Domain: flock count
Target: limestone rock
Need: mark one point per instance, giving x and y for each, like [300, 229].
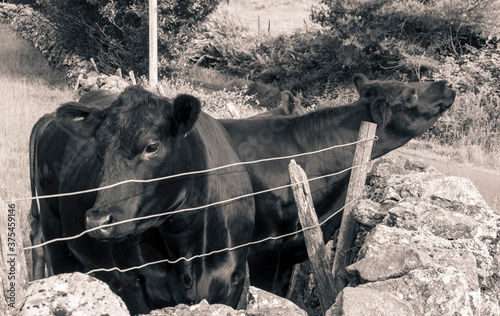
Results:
[368, 213]
[424, 215]
[388, 264]
[74, 294]
[200, 309]
[364, 301]
[442, 252]
[428, 185]
[261, 302]
[435, 291]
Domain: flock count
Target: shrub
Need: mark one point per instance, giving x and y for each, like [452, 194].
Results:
[115, 32]
[392, 30]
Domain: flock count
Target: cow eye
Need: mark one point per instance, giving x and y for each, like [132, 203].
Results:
[152, 148]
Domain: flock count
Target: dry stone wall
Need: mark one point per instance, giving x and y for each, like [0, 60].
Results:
[35, 28]
[426, 239]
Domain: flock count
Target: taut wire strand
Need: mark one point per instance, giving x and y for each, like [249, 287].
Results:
[220, 250]
[192, 172]
[183, 210]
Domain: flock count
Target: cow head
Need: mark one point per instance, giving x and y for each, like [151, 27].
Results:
[404, 110]
[139, 137]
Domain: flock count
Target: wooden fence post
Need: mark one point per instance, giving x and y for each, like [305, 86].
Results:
[78, 80]
[153, 43]
[347, 230]
[313, 237]
[94, 65]
[132, 77]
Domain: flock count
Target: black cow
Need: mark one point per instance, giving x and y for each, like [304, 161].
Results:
[401, 110]
[141, 136]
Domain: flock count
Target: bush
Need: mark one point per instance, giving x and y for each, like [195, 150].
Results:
[390, 31]
[115, 32]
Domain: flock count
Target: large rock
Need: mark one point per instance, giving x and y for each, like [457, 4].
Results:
[427, 239]
[435, 291]
[74, 294]
[260, 303]
[200, 309]
[387, 264]
[379, 259]
[363, 301]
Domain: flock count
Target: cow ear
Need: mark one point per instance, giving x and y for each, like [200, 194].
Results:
[185, 113]
[80, 119]
[287, 102]
[381, 111]
[359, 81]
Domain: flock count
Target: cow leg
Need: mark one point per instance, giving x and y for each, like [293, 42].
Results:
[242, 304]
[37, 254]
[61, 258]
[264, 265]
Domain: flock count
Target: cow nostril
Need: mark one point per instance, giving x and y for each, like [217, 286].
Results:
[107, 219]
[97, 218]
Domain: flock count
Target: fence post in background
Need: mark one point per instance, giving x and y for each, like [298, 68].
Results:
[77, 84]
[313, 237]
[132, 77]
[94, 65]
[153, 43]
[347, 230]
[233, 110]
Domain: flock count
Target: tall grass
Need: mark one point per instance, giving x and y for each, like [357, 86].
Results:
[28, 89]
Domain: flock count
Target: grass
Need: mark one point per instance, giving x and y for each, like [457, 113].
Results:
[29, 88]
[271, 17]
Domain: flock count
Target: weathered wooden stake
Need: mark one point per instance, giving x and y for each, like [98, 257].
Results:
[313, 236]
[132, 77]
[347, 230]
[94, 65]
[119, 73]
[77, 84]
[160, 90]
[233, 110]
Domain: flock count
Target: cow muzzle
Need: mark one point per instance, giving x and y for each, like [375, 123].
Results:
[96, 219]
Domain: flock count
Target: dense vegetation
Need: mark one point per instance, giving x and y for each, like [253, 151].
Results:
[455, 40]
[115, 33]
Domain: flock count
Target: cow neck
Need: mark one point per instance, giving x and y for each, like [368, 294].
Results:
[387, 141]
[340, 125]
[329, 127]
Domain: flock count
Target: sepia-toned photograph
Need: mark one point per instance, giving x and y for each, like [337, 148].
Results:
[250, 158]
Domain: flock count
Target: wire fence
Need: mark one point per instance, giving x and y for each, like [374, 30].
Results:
[169, 213]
